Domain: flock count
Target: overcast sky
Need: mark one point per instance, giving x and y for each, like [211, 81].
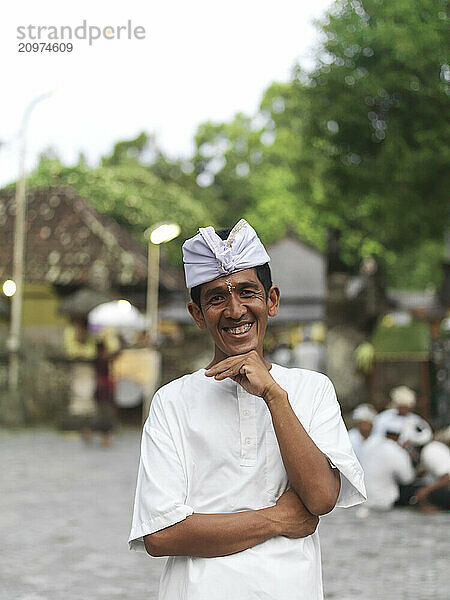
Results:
[200, 60]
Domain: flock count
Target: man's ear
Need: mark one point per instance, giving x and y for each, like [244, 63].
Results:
[196, 314]
[273, 300]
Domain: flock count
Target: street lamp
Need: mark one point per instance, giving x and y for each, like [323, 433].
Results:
[13, 342]
[9, 288]
[157, 234]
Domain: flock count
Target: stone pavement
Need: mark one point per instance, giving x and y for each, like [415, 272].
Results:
[65, 510]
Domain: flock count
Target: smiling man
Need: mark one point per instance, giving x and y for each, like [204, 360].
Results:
[240, 459]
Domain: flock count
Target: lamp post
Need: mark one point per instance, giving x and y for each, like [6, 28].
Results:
[158, 234]
[13, 342]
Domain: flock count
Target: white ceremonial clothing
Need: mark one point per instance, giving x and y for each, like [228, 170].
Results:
[435, 459]
[309, 355]
[357, 441]
[210, 447]
[385, 464]
[384, 418]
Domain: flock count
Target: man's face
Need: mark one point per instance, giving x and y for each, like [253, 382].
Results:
[234, 310]
[365, 428]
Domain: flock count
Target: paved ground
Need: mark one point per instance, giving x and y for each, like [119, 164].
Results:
[65, 514]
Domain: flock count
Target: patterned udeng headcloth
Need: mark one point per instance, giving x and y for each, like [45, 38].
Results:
[207, 257]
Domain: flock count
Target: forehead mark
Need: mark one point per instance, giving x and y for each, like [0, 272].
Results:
[230, 286]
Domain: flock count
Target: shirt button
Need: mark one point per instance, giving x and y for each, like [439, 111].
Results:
[245, 413]
[248, 441]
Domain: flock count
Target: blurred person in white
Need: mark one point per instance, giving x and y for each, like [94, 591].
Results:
[434, 464]
[310, 354]
[239, 459]
[403, 401]
[363, 416]
[386, 466]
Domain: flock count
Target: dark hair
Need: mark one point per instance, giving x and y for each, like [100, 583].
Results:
[262, 272]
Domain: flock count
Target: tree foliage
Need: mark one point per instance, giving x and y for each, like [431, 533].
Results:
[377, 129]
[357, 145]
[245, 168]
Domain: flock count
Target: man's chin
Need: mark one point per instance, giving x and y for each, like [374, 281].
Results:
[238, 349]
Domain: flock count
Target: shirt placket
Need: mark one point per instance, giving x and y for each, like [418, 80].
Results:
[247, 423]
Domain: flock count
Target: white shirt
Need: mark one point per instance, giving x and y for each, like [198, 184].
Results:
[385, 464]
[357, 441]
[384, 418]
[209, 446]
[435, 458]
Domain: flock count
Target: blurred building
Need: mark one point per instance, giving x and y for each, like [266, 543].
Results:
[75, 259]
[300, 271]
[70, 246]
[296, 336]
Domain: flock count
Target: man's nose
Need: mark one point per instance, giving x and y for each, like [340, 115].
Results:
[234, 309]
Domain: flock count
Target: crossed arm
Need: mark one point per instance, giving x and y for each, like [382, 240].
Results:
[210, 535]
[422, 493]
[315, 484]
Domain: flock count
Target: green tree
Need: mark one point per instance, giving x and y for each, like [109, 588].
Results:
[375, 123]
[224, 155]
[282, 193]
[245, 168]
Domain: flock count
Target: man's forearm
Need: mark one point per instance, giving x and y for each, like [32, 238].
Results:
[310, 474]
[441, 482]
[211, 535]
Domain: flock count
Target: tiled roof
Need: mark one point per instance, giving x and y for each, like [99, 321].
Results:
[70, 243]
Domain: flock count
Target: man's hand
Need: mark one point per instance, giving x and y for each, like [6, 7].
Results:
[292, 518]
[249, 370]
[421, 494]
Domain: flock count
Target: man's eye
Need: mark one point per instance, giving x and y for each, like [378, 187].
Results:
[216, 299]
[248, 293]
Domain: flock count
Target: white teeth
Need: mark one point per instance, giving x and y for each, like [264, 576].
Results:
[241, 329]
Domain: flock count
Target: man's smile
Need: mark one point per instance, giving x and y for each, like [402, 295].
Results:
[239, 330]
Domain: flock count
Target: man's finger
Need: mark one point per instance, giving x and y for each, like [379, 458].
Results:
[224, 364]
[227, 362]
[231, 372]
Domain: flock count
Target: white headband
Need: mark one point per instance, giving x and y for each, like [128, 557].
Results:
[207, 257]
[364, 412]
[403, 396]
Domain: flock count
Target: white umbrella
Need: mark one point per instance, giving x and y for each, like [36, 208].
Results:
[119, 313]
